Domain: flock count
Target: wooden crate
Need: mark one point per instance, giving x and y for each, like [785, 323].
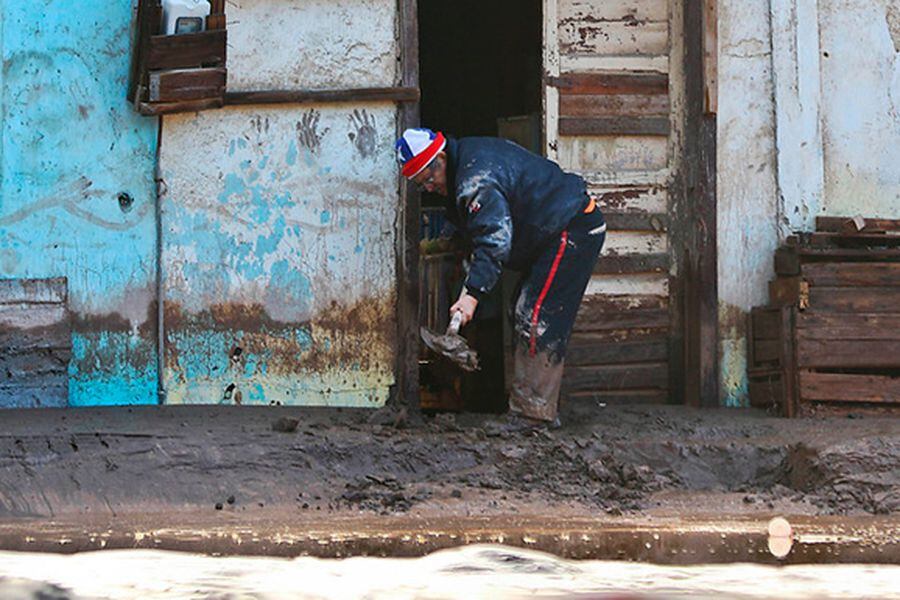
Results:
[178, 73]
[771, 366]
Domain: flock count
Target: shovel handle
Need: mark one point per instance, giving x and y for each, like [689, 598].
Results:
[455, 322]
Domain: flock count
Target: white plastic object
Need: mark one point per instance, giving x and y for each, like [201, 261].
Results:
[183, 9]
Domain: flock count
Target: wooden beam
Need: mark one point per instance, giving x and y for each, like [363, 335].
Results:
[840, 224]
[608, 83]
[696, 244]
[848, 354]
[613, 105]
[852, 274]
[187, 84]
[614, 125]
[840, 387]
[584, 350]
[616, 377]
[188, 50]
[407, 254]
[634, 220]
[855, 299]
[848, 326]
[632, 263]
[402, 94]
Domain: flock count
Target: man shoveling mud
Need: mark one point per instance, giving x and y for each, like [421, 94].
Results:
[521, 211]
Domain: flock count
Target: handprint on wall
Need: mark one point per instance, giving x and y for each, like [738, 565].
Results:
[363, 134]
[307, 134]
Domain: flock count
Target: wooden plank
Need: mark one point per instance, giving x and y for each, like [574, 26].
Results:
[619, 397]
[33, 364]
[187, 84]
[188, 50]
[407, 244]
[787, 261]
[584, 350]
[33, 291]
[636, 221]
[54, 332]
[632, 263]
[619, 10]
[614, 38]
[815, 325]
[766, 323]
[766, 352]
[852, 274]
[407, 94]
[847, 354]
[215, 21]
[842, 387]
[842, 240]
[635, 105]
[50, 392]
[788, 362]
[616, 377]
[858, 300]
[808, 254]
[614, 125]
[766, 391]
[789, 291]
[639, 319]
[710, 56]
[839, 224]
[165, 108]
[611, 83]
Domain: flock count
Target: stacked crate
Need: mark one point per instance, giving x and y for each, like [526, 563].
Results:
[829, 341]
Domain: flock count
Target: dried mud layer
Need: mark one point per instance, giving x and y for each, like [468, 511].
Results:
[616, 460]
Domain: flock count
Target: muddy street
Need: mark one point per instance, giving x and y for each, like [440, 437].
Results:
[612, 461]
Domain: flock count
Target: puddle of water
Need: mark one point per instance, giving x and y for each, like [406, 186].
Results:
[478, 571]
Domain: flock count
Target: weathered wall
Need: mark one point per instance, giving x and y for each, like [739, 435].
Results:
[860, 46]
[77, 192]
[809, 125]
[279, 222]
[278, 253]
[747, 199]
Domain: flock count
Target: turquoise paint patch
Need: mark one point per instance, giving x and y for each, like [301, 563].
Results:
[325, 217]
[69, 145]
[291, 156]
[112, 369]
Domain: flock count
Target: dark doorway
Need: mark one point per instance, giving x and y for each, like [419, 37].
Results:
[480, 65]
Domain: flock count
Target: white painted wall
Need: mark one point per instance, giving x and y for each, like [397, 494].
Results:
[809, 125]
[860, 44]
[747, 229]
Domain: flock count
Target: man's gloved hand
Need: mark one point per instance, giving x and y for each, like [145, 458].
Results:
[466, 305]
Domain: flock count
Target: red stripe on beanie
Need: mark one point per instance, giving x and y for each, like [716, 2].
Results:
[418, 162]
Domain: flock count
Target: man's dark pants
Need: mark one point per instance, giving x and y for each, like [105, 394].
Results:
[545, 312]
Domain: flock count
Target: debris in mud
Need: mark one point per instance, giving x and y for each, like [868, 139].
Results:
[285, 424]
[383, 496]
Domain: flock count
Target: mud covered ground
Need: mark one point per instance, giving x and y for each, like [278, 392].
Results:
[653, 460]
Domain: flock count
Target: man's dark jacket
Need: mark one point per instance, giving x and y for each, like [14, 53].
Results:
[510, 203]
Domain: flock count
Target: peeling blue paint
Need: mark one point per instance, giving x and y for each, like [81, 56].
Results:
[70, 143]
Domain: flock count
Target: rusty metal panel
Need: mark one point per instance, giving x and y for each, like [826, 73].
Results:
[279, 255]
[311, 44]
[77, 196]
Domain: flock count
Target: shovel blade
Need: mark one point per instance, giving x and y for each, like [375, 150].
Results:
[452, 346]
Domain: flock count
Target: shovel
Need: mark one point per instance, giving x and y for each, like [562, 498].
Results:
[451, 344]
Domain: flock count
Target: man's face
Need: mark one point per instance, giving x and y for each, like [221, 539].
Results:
[433, 178]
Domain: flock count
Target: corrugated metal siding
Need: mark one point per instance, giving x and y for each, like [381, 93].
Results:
[71, 147]
[607, 115]
[279, 223]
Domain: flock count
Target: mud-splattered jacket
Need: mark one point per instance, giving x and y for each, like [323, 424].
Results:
[509, 203]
